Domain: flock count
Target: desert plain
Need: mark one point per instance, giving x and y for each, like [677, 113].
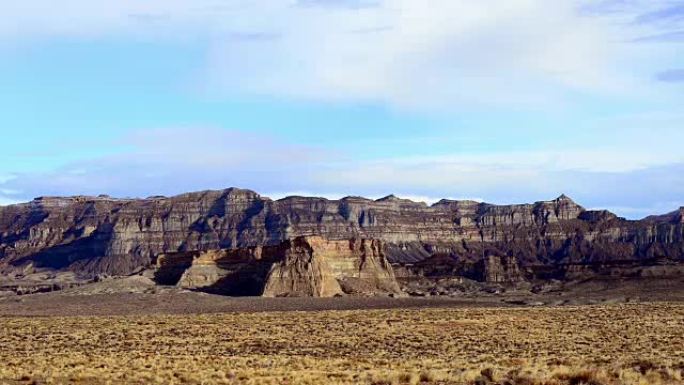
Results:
[604, 344]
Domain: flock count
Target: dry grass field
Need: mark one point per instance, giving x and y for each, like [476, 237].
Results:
[593, 345]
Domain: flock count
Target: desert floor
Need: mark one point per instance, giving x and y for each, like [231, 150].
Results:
[590, 344]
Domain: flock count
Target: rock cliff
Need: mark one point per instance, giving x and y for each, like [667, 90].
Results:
[502, 270]
[304, 266]
[103, 235]
[239, 272]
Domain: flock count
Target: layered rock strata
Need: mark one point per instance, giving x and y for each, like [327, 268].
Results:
[240, 272]
[304, 266]
[102, 235]
[502, 270]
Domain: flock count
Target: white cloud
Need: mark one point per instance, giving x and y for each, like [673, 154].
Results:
[201, 146]
[591, 159]
[434, 53]
[442, 53]
[5, 201]
[172, 161]
[4, 193]
[179, 160]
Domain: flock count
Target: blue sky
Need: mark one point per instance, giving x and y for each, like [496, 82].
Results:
[499, 100]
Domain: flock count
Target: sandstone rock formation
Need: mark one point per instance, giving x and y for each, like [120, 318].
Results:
[321, 268]
[102, 235]
[304, 272]
[304, 266]
[502, 270]
[240, 272]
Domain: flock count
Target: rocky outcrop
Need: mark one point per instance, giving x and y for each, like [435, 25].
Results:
[322, 268]
[240, 272]
[304, 266]
[303, 272]
[102, 235]
[502, 270]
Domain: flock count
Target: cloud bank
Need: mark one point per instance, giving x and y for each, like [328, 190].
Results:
[447, 54]
[172, 161]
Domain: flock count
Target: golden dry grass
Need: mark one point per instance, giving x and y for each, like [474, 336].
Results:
[601, 345]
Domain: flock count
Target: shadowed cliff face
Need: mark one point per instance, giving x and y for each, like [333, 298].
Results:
[301, 267]
[92, 235]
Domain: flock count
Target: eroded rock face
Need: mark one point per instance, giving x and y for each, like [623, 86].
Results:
[303, 272]
[101, 235]
[302, 267]
[237, 272]
[502, 270]
[318, 267]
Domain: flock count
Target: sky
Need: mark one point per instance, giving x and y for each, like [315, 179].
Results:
[504, 101]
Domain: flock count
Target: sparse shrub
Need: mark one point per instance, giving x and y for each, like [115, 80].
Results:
[644, 366]
[523, 380]
[585, 377]
[409, 378]
[488, 374]
[428, 376]
[653, 377]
